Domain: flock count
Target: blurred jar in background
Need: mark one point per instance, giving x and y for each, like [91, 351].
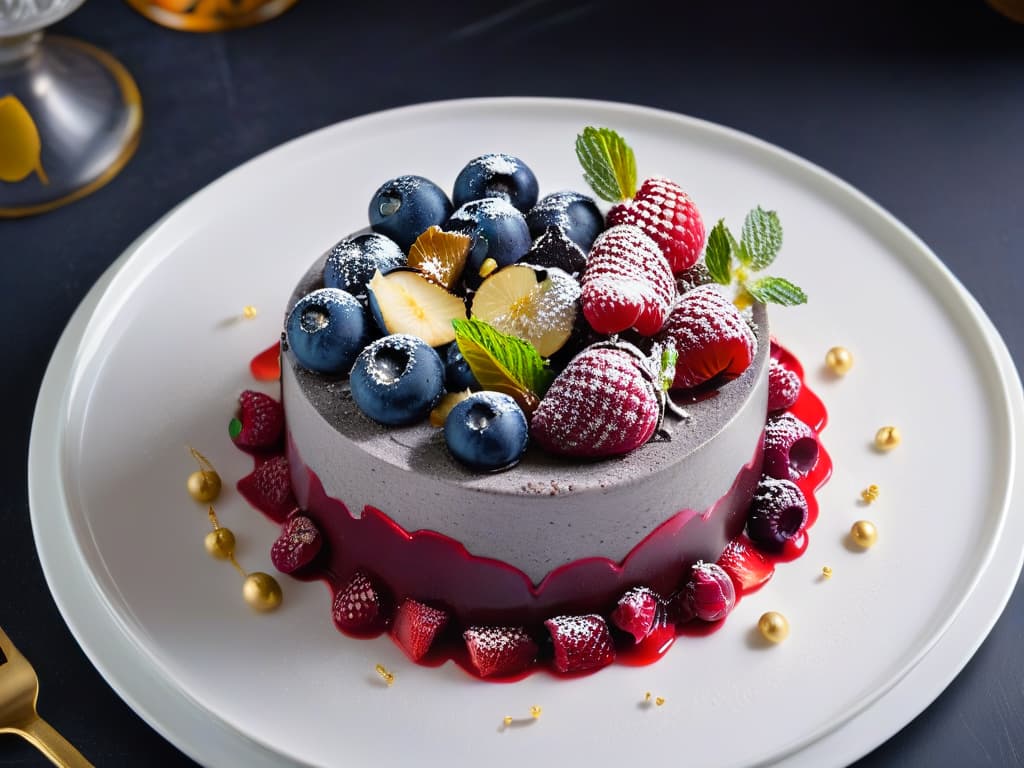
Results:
[210, 15]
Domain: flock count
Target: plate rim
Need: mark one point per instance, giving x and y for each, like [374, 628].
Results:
[90, 310]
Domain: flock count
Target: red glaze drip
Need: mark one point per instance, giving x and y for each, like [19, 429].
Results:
[266, 366]
[510, 596]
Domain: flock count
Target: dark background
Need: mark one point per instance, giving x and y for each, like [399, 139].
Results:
[919, 105]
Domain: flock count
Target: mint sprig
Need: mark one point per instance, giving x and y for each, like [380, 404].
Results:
[729, 260]
[609, 165]
[503, 363]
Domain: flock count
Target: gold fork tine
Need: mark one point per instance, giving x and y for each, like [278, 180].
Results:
[19, 689]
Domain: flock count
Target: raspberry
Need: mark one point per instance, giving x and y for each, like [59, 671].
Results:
[778, 512]
[603, 404]
[499, 651]
[790, 448]
[783, 387]
[297, 545]
[713, 340]
[358, 607]
[416, 627]
[259, 423]
[269, 488]
[710, 592]
[627, 283]
[667, 214]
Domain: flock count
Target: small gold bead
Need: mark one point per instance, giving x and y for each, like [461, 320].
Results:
[488, 266]
[826, 572]
[261, 591]
[507, 720]
[773, 626]
[659, 701]
[204, 485]
[869, 494]
[839, 360]
[887, 438]
[385, 675]
[647, 696]
[535, 711]
[864, 533]
[249, 312]
[220, 543]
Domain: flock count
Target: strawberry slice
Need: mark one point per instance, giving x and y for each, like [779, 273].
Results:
[499, 651]
[661, 634]
[298, 544]
[711, 337]
[747, 567]
[269, 488]
[416, 626]
[636, 611]
[358, 607]
[259, 423]
[581, 642]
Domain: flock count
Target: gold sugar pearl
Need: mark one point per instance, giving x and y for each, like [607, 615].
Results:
[869, 494]
[647, 696]
[385, 675]
[887, 438]
[507, 720]
[487, 266]
[659, 701]
[220, 543]
[826, 572]
[863, 533]
[204, 485]
[774, 627]
[261, 591]
[535, 711]
[249, 312]
[839, 360]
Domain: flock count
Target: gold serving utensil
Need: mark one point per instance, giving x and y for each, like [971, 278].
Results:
[19, 689]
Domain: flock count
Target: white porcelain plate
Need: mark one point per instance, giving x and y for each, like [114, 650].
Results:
[155, 357]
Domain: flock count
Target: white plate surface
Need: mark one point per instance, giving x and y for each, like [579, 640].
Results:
[155, 357]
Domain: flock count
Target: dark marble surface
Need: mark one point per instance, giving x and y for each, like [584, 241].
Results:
[921, 106]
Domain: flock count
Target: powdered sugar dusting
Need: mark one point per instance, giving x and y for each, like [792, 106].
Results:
[499, 164]
[627, 282]
[488, 207]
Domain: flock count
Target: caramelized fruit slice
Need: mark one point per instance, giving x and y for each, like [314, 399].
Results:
[440, 256]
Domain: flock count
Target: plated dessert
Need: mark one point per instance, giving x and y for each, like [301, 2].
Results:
[526, 432]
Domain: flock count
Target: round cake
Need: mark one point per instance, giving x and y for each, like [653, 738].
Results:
[549, 536]
[522, 431]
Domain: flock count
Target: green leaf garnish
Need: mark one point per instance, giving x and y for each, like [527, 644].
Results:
[775, 290]
[761, 239]
[718, 254]
[503, 363]
[234, 428]
[760, 244]
[667, 374]
[609, 165]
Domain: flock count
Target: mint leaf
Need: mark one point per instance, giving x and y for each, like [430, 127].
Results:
[718, 253]
[761, 239]
[503, 363]
[609, 165]
[667, 374]
[775, 290]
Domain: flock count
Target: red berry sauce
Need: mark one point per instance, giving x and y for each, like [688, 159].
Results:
[430, 566]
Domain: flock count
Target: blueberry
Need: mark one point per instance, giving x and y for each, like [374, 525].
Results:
[457, 373]
[554, 249]
[487, 431]
[397, 379]
[351, 263]
[501, 176]
[498, 230]
[326, 329]
[778, 512]
[406, 206]
[577, 215]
